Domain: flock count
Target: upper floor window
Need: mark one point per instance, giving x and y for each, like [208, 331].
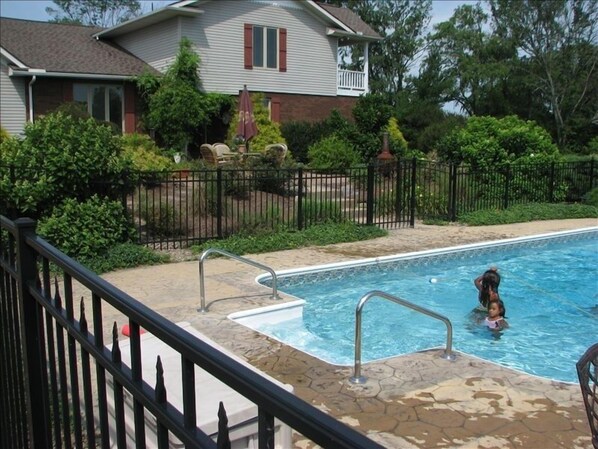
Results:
[265, 47]
[104, 102]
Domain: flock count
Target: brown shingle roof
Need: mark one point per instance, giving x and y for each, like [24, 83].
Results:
[66, 48]
[350, 19]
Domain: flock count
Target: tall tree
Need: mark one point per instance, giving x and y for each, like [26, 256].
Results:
[102, 13]
[472, 63]
[402, 24]
[558, 41]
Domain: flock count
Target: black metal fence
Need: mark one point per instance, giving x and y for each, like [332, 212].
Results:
[63, 381]
[212, 204]
[180, 208]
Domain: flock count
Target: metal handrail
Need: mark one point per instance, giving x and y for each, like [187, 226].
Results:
[207, 252]
[357, 377]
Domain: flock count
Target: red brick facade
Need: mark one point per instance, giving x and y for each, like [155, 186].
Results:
[310, 108]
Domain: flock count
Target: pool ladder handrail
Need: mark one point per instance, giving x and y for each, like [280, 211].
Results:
[207, 252]
[357, 378]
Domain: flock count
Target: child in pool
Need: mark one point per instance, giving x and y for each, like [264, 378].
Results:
[487, 285]
[496, 315]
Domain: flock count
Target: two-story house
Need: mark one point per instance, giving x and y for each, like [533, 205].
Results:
[286, 49]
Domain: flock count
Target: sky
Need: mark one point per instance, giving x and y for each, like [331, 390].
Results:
[36, 9]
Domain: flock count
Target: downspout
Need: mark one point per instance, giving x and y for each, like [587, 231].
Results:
[366, 66]
[31, 83]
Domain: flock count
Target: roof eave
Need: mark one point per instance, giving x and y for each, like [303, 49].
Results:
[13, 59]
[352, 36]
[151, 18]
[45, 74]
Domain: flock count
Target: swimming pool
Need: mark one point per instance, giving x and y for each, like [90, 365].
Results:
[549, 285]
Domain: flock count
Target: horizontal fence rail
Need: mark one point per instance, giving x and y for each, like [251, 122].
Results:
[64, 382]
[182, 208]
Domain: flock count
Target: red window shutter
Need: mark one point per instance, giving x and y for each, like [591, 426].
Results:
[130, 115]
[248, 41]
[282, 50]
[275, 109]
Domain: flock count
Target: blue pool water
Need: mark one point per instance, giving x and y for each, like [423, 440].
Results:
[549, 286]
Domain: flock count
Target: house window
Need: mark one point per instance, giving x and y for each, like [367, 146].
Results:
[265, 47]
[103, 102]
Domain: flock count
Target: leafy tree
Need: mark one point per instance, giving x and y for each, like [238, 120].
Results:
[558, 41]
[175, 105]
[470, 63]
[101, 13]
[402, 24]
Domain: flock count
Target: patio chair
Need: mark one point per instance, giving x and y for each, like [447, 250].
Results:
[587, 371]
[215, 154]
[278, 151]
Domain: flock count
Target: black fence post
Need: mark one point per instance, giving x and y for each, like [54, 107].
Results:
[505, 202]
[31, 337]
[370, 196]
[300, 199]
[453, 192]
[591, 174]
[219, 202]
[413, 198]
[551, 185]
[398, 192]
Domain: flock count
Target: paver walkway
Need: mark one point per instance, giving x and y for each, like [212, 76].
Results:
[414, 401]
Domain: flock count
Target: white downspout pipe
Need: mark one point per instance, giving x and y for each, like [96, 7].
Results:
[366, 66]
[31, 83]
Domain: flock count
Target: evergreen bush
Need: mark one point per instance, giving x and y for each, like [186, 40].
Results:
[334, 153]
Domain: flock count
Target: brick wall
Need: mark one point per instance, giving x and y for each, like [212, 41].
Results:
[310, 108]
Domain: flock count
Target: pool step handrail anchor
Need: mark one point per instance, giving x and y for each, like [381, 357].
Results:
[357, 378]
[207, 252]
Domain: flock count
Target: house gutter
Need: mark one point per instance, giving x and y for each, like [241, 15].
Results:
[31, 83]
[42, 73]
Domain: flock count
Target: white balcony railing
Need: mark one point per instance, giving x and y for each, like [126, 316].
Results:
[351, 83]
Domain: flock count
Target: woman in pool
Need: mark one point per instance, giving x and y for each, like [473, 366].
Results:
[496, 315]
[487, 285]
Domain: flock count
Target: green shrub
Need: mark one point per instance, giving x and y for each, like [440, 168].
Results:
[592, 147]
[3, 135]
[396, 141]
[268, 131]
[124, 255]
[88, 229]
[485, 142]
[61, 157]
[144, 154]
[522, 213]
[315, 211]
[333, 153]
[591, 198]
[323, 234]
[76, 110]
[161, 219]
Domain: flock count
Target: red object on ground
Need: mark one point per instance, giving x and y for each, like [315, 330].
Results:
[126, 331]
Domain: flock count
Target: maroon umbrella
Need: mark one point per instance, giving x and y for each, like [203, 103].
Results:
[246, 128]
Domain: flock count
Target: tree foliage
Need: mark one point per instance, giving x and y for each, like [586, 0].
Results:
[101, 13]
[60, 157]
[559, 43]
[487, 141]
[402, 25]
[174, 102]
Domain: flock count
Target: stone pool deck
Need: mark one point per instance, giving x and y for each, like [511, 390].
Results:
[414, 401]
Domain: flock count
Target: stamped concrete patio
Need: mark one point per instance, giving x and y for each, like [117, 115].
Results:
[414, 401]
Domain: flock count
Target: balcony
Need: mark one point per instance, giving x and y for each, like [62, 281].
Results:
[351, 83]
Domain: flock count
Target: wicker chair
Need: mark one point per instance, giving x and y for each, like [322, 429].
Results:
[278, 151]
[587, 371]
[216, 154]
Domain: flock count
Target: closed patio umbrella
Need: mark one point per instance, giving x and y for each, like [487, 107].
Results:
[246, 128]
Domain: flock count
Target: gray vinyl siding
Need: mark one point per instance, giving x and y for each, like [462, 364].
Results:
[156, 44]
[217, 35]
[13, 110]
